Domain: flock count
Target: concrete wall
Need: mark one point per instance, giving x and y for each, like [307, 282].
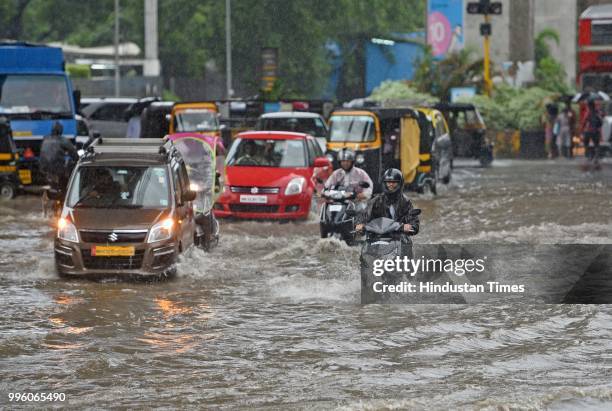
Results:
[562, 16]
[515, 29]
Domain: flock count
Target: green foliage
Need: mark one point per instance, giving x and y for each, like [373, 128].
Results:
[541, 46]
[549, 73]
[400, 90]
[439, 76]
[513, 108]
[192, 33]
[168, 95]
[78, 70]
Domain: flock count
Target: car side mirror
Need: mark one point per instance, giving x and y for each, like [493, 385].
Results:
[188, 196]
[96, 134]
[415, 212]
[54, 194]
[222, 127]
[364, 184]
[321, 162]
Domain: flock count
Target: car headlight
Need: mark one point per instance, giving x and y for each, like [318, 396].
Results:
[359, 159]
[330, 157]
[161, 231]
[295, 186]
[67, 231]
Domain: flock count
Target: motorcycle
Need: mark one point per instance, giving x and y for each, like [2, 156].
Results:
[385, 240]
[337, 217]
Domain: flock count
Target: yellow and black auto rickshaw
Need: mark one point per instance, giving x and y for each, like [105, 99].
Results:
[11, 177]
[468, 131]
[383, 138]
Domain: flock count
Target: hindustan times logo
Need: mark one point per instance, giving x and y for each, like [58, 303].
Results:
[413, 266]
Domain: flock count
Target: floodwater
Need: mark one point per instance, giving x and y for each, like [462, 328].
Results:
[271, 318]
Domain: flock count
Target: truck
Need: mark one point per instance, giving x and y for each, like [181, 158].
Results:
[35, 92]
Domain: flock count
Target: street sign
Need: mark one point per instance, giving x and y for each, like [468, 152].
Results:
[269, 67]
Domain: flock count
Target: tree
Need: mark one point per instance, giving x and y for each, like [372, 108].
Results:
[192, 34]
[439, 76]
[549, 73]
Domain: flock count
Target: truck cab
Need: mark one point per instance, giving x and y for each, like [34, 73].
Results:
[35, 92]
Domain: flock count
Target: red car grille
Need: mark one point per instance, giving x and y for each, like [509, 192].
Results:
[253, 208]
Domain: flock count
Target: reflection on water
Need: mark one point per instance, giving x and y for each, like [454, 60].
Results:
[271, 317]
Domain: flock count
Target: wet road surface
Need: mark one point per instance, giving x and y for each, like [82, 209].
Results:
[271, 318]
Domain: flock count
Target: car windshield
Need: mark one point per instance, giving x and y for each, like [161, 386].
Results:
[351, 128]
[119, 187]
[196, 120]
[267, 153]
[25, 94]
[313, 126]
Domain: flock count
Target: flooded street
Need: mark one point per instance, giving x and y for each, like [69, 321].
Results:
[271, 318]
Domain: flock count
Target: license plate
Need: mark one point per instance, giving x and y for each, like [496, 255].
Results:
[254, 199]
[335, 207]
[112, 251]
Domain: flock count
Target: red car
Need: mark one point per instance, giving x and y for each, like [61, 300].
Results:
[269, 174]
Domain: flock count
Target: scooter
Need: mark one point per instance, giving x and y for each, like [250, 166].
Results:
[385, 240]
[337, 217]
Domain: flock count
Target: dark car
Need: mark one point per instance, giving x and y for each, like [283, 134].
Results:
[127, 210]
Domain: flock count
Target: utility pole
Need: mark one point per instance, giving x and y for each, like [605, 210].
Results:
[117, 74]
[228, 50]
[487, 57]
[486, 7]
[151, 64]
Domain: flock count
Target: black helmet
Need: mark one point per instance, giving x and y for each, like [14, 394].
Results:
[346, 155]
[393, 174]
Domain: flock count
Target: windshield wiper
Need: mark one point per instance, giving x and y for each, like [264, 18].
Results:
[55, 114]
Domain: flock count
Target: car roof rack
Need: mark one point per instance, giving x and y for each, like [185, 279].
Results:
[129, 145]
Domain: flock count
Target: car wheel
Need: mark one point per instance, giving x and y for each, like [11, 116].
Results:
[7, 191]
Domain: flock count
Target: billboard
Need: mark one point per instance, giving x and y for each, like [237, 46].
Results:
[444, 26]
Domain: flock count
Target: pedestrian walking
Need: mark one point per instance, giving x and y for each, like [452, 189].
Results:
[591, 131]
[548, 119]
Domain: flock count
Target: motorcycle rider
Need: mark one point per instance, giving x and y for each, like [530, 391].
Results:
[394, 204]
[350, 177]
[53, 152]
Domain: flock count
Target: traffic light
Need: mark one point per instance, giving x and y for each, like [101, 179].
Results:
[495, 8]
[474, 8]
[484, 7]
[485, 29]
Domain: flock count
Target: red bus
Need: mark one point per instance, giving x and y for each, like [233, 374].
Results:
[595, 49]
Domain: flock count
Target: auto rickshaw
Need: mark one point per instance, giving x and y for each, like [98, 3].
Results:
[468, 131]
[384, 138]
[201, 117]
[204, 158]
[11, 176]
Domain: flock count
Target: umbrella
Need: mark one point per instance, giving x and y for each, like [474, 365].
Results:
[590, 95]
